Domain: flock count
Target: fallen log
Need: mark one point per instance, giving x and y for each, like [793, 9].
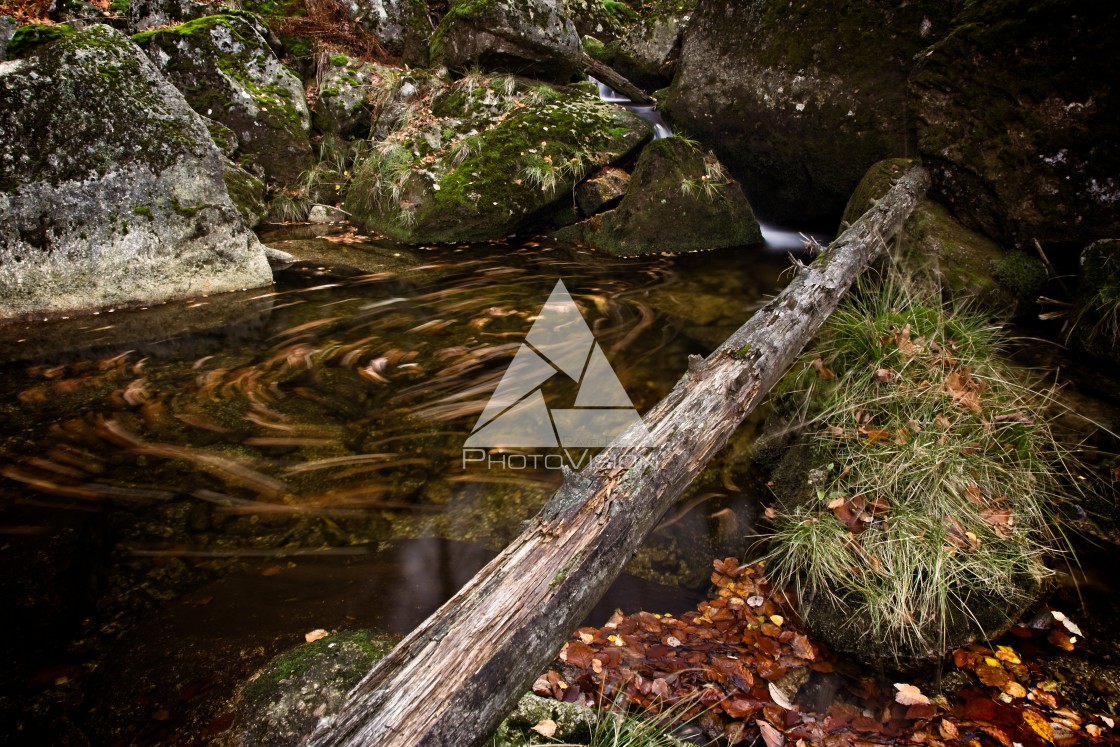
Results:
[614, 79]
[453, 679]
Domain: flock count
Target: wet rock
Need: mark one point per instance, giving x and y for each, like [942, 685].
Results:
[325, 214]
[964, 263]
[801, 111]
[228, 72]
[535, 38]
[601, 190]
[111, 191]
[284, 701]
[1096, 315]
[1015, 140]
[488, 157]
[679, 200]
[402, 27]
[345, 107]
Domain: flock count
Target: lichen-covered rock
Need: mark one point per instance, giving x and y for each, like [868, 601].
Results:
[605, 22]
[1095, 319]
[149, 14]
[228, 72]
[7, 30]
[284, 701]
[647, 53]
[400, 94]
[345, 107]
[527, 37]
[111, 191]
[679, 199]
[799, 100]
[401, 27]
[601, 190]
[247, 193]
[1017, 116]
[485, 157]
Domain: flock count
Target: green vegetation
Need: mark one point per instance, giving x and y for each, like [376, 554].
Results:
[27, 39]
[932, 475]
[339, 60]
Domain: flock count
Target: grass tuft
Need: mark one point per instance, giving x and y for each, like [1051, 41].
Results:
[934, 475]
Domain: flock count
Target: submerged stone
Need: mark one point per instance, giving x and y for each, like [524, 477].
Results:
[228, 72]
[111, 190]
[284, 701]
[527, 37]
[487, 157]
[679, 199]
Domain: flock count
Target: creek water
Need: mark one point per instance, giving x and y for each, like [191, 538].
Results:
[182, 485]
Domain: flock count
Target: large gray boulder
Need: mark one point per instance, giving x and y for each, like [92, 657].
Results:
[799, 100]
[111, 190]
[679, 199]
[144, 15]
[1017, 117]
[228, 72]
[401, 27]
[535, 38]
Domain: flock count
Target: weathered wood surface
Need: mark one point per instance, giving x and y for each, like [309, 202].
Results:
[614, 79]
[453, 679]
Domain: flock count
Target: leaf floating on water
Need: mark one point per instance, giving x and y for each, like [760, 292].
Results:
[909, 695]
[314, 635]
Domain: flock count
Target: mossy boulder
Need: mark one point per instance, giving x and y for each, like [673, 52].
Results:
[284, 701]
[144, 15]
[605, 22]
[247, 193]
[111, 191]
[966, 265]
[485, 157]
[1016, 116]
[1095, 325]
[679, 200]
[648, 52]
[228, 72]
[400, 95]
[812, 98]
[402, 27]
[535, 38]
[26, 40]
[345, 106]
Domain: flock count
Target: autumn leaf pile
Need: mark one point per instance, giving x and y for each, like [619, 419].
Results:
[741, 669]
[921, 511]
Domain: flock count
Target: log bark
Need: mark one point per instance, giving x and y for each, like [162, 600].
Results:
[453, 679]
[614, 79]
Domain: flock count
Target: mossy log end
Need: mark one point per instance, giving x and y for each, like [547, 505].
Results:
[614, 79]
[452, 680]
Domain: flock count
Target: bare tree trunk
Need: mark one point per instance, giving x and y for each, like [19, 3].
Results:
[615, 80]
[453, 679]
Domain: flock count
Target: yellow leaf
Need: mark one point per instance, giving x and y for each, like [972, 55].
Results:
[1038, 723]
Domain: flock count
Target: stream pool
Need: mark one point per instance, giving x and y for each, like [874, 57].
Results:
[189, 489]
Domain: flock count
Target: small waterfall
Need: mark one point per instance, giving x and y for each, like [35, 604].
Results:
[648, 113]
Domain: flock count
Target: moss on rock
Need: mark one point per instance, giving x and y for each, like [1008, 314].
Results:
[528, 37]
[1095, 327]
[227, 72]
[488, 156]
[284, 701]
[97, 154]
[25, 40]
[679, 199]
